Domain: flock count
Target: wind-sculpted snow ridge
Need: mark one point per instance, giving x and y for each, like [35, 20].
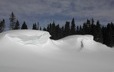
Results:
[81, 43]
[31, 39]
[34, 51]
[28, 36]
[41, 38]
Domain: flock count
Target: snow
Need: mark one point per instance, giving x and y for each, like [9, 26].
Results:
[81, 42]
[28, 37]
[34, 51]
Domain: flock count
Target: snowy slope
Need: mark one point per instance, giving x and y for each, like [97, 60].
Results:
[34, 51]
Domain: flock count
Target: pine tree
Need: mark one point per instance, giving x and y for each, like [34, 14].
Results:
[81, 30]
[2, 25]
[24, 25]
[52, 31]
[73, 29]
[104, 32]
[34, 27]
[44, 29]
[110, 34]
[12, 21]
[87, 27]
[67, 29]
[62, 32]
[57, 32]
[17, 25]
[40, 28]
[77, 31]
[92, 21]
[98, 32]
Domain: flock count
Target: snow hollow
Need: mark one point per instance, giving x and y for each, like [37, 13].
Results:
[34, 51]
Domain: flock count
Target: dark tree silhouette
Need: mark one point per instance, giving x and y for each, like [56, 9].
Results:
[73, 29]
[12, 21]
[34, 27]
[17, 25]
[24, 25]
[87, 27]
[98, 33]
[67, 29]
[108, 33]
[2, 25]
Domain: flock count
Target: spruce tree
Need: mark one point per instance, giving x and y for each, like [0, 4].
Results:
[24, 25]
[12, 21]
[34, 27]
[110, 34]
[98, 32]
[73, 29]
[67, 28]
[17, 25]
[2, 25]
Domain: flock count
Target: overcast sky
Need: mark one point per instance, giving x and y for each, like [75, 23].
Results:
[46, 11]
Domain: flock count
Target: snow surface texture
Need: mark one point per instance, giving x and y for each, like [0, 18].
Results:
[34, 51]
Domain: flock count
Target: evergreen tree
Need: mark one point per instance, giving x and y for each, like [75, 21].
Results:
[81, 30]
[35, 27]
[98, 32]
[77, 31]
[104, 31]
[110, 34]
[17, 25]
[67, 29]
[40, 28]
[12, 21]
[73, 29]
[2, 25]
[52, 31]
[87, 27]
[49, 28]
[62, 32]
[24, 25]
[44, 29]
[57, 32]
[93, 28]
[92, 21]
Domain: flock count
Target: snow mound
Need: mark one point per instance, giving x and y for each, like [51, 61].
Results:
[80, 42]
[34, 51]
[27, 36]
[42, 38]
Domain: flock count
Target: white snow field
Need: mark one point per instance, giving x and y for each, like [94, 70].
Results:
[34, 51]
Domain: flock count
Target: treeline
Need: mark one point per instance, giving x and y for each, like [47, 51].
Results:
[103, 34]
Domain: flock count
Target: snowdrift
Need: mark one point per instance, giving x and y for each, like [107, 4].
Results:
[81, 43]
[27, 37]
[34, 51]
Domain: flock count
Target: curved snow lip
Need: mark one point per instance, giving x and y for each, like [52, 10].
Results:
[76, 40]
[34, 37]
[42, 38]
[81, 43]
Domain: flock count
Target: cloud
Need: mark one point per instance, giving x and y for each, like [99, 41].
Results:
[32, 10]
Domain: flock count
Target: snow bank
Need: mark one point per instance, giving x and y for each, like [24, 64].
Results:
[41, 38]
[34, 51]
[81, 43]
[27, 37]
[33, 40]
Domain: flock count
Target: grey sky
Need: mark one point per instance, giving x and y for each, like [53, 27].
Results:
[45, 11]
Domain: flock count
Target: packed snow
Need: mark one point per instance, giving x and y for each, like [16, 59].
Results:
[34, 51]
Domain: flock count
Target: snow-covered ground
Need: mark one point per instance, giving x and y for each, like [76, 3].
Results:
[34, 51]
